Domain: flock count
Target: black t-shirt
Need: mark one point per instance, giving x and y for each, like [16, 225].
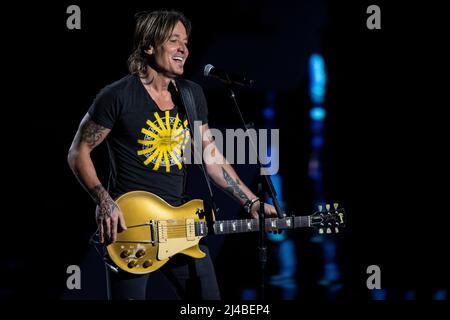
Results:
[145, 144]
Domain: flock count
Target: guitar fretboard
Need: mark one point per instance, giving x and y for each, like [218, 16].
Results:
[251, 225]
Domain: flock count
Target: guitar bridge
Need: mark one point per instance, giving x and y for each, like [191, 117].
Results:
[152, 231]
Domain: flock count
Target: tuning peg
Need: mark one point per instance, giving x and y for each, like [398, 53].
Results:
[320, 207]
[335, 205]
[328, 230]
[336, 229]
[328, 206]
[321, 231]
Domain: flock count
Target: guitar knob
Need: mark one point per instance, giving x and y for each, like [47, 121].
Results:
[124, 254]
[328, 230]
[140, 253]
[336, 229]
[320, 207]
[335, 205]
[328, 206]
[132, 264]
[321, 230]
[147, 263]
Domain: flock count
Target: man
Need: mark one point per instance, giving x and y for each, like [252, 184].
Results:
[132, 115]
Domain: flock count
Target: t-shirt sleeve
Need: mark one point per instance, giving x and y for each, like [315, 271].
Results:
[105, 109]
[201, 104]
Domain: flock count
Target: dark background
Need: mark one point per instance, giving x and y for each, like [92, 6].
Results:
[384, 160]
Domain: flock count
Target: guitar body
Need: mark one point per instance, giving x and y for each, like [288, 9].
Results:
[155, 232]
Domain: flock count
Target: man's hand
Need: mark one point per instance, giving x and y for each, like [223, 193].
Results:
[109, 220]
[268, 209]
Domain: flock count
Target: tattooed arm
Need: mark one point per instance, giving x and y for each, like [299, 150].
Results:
[223, 174]
[108, 214]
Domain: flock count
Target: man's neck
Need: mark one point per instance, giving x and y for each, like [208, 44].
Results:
[156, 81]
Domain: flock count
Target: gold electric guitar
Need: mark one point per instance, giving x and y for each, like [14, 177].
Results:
[157, 231]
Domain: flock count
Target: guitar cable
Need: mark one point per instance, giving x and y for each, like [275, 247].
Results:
[95, 243]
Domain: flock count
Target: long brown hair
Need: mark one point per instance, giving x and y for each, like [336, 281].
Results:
[152, 29]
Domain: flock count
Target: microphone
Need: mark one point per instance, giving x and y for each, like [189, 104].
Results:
[227, 78]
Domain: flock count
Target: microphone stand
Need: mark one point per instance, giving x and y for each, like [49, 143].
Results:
[265, 186]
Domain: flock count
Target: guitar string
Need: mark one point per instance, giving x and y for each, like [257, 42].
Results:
[226, 222]
[183, 226]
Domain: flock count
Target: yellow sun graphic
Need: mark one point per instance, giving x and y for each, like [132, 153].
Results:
[164, 141]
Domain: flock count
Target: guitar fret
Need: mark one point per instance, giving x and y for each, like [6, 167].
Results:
[197, 228]
[301, 221]
[200, 228]
[281, 224]
[288, 223]
[272, 224]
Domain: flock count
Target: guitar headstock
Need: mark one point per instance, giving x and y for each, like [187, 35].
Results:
[328, 219]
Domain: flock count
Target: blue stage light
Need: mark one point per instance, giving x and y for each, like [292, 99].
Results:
[269, 113]
[317, 78]
[317, 113]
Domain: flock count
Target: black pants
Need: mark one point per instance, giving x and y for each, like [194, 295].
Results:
[188, 279]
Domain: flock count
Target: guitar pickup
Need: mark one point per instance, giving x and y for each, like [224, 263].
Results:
[162, 231]
[190, 229]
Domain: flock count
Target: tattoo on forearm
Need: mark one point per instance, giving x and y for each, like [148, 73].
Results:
[233, 186]
[91, 133]
[103, 199]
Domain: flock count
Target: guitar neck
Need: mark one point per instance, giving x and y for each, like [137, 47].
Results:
[252, 225]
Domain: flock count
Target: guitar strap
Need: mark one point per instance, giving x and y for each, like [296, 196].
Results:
[188, 101]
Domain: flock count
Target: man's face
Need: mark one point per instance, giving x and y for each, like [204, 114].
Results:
[169, 58]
